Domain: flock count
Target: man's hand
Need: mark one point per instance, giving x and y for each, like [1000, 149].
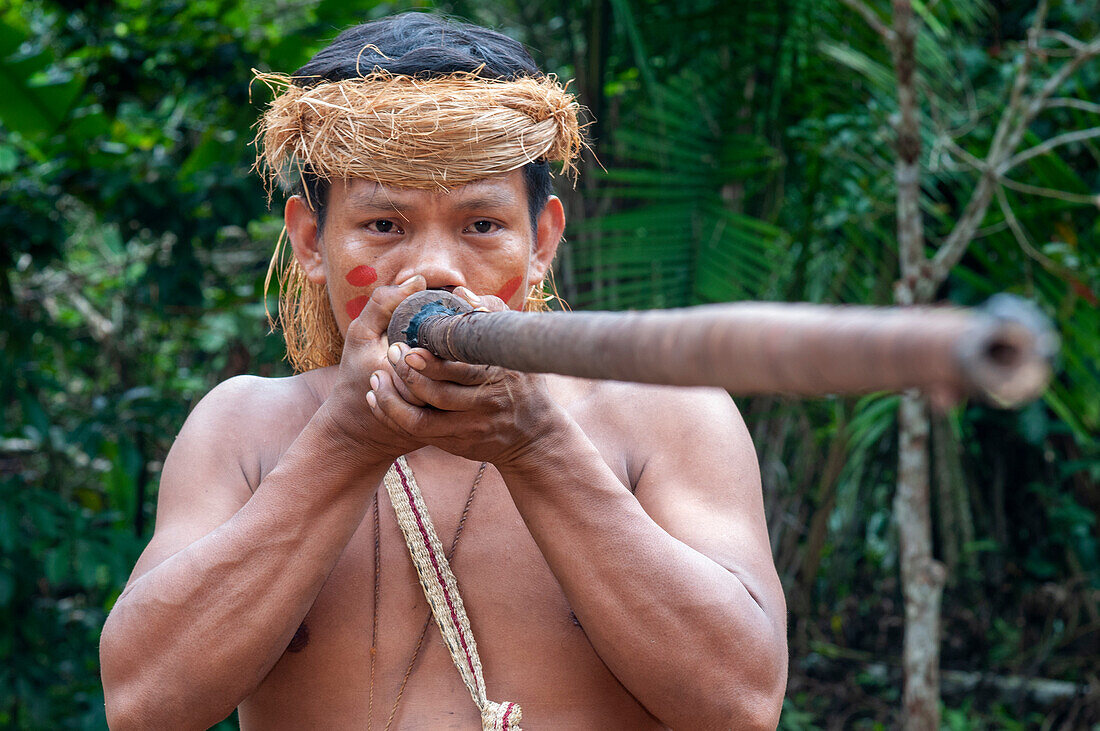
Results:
[474, 411]
[350, 418]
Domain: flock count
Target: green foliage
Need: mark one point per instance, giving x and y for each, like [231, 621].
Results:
[638, 255]
[795, 719]
[1072, 531]
[967, 718]
[805, 93]
[748, 155]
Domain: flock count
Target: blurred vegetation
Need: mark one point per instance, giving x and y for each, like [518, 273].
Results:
[748, 150]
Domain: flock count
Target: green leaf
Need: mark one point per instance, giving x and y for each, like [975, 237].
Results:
[9, 159]
[56, 566]
[34, 103]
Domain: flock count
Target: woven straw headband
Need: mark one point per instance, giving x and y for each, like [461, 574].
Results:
[436, 133]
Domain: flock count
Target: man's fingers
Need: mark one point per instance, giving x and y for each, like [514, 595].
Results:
[443, 395]
[400, 382]
[493, 303]
[486, 302]
[375, 317]
[395, 412]
[437, 369]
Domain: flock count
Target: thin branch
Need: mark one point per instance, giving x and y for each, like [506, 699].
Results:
[975, 117]
[52, 282]
[1021, 238]
[972, 112]
[938, 145]
[872, 18]
[1052, 84]
[1063, 38]
[1009, 134]
[979, 165]
[1007, 123]
[990, 230]
[1046, 53]
[102, 328]
[1082, 198]
[940, 121]
[954, 246]
[1080, 104]
[1045, 147]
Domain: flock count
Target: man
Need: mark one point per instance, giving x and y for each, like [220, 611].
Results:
[608, 539]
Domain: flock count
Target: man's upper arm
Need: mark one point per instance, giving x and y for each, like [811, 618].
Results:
[203, 482]
[701, 483]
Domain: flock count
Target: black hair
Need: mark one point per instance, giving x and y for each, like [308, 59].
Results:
[423, 45]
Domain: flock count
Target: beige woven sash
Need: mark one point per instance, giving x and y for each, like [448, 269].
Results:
[441, 591]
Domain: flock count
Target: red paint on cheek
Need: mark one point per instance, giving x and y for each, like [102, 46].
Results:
[509, 288]
[361, 276]
[356, 305]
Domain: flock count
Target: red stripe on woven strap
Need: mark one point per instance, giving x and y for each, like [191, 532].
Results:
[435, 565]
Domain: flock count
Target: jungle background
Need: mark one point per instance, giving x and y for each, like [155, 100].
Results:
[748, 154]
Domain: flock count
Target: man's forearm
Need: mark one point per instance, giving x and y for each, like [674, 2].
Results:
[680, 631]
[192, 637]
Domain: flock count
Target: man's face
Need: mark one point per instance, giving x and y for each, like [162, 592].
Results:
[478, 236]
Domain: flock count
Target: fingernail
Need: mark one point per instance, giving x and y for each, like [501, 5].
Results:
[394, 354]
[416, 362]
[408, 281]
[469, 296]
[372, 401]
[374, 381]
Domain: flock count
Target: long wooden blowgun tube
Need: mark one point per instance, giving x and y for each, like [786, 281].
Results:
[1001, 352]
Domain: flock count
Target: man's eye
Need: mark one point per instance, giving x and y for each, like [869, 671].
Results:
[384, 226]
[482, 227]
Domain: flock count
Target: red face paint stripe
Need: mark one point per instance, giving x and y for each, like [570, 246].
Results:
[362, 276]
[356, 305]
[435, 565]
[509, 288]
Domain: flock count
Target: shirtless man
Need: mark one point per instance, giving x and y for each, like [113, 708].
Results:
[614, 559]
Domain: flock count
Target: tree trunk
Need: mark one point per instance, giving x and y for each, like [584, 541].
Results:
[922, 577]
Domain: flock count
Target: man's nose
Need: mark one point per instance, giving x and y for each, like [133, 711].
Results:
[434, 258]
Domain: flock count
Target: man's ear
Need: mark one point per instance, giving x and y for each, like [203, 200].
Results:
[301, 227]
[550, 227]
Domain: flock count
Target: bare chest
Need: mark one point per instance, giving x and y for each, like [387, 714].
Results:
[370, 656]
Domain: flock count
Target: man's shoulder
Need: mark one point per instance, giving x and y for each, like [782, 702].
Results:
[656, 430]
[646, 412]
[245, 423]
[246, 411]
[260, 401]
[623, 400]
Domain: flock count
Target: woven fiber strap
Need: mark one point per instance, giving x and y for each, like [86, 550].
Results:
[441, 591]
